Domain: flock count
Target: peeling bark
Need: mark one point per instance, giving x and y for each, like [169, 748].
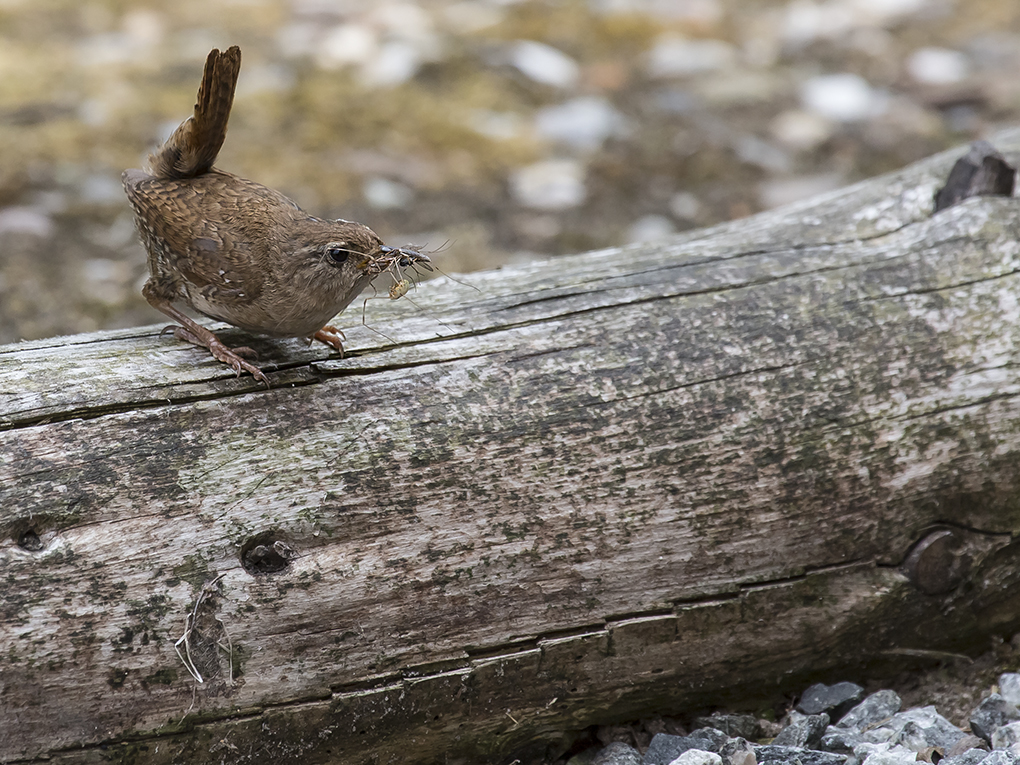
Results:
[624, 481]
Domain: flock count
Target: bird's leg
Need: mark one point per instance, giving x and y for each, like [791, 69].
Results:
[193, 332]
[332, 337]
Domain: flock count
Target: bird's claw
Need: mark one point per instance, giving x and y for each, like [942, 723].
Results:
[332, 337]
[232, 357]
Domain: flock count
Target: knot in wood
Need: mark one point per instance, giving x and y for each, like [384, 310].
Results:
[29, 540]
[266, 555]
[934, 564]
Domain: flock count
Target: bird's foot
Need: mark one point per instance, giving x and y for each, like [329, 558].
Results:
[332, 337]
[232, 357]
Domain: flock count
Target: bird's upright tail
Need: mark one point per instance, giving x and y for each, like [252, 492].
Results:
[193, 147]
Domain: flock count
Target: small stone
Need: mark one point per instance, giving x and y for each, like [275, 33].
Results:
[582, 123]
[648, 229]
[676, 56]
[665, 748]
[345, 45]
[472, 16]
[699, 13]
[738, 87]
[297, 39]
[765, 155]
[107, 49]
[881, 12]
[1009, 687]
[100, 188]
[884, 754]
[499, 126]
[32, 221]
[874, 709]
[803, 23]
[878, 735]
[143, 27]
[842, 97]
[917, 729]
[1001, 757]
[710, 739]
[992, 713]
[545, 64]
[106, 281]
[961, 118]
[734, 726]
[938, 66]
[913, 737]
[397, 62]
[806, 22]
[1007, 737]
[685, 205]
[556, 184]
[384, 194]
[785, 755]
[404, 20]
[970, 757]
[677, 101]
[738, 751]
[834, 700]
[93, 112]
[267, 78]
[540, 227]
[697, 757]
[617, 753]
[803, 731]
[840, 740]
[801, 131]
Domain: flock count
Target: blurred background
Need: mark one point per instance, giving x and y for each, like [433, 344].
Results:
[512, 129]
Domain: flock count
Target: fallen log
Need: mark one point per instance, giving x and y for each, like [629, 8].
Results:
[568, 493]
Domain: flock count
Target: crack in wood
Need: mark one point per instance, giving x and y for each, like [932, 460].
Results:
[474, 659]
[978, 402]
[943, 288]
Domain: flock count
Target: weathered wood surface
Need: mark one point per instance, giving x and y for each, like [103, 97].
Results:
[596, 486]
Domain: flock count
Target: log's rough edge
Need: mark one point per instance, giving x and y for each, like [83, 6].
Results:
[559, 683]
[398, 710]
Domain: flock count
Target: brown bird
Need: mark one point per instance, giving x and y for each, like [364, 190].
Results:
[237, 251]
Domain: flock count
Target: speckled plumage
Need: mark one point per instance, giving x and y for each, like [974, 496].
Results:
[234, 249]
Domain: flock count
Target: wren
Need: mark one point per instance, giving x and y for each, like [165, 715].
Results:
[237, 251]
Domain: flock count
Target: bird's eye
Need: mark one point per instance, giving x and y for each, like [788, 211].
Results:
[336, 253]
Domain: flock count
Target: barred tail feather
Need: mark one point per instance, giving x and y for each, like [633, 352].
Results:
[193, 147]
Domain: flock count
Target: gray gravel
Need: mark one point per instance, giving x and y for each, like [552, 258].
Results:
[876, 731]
